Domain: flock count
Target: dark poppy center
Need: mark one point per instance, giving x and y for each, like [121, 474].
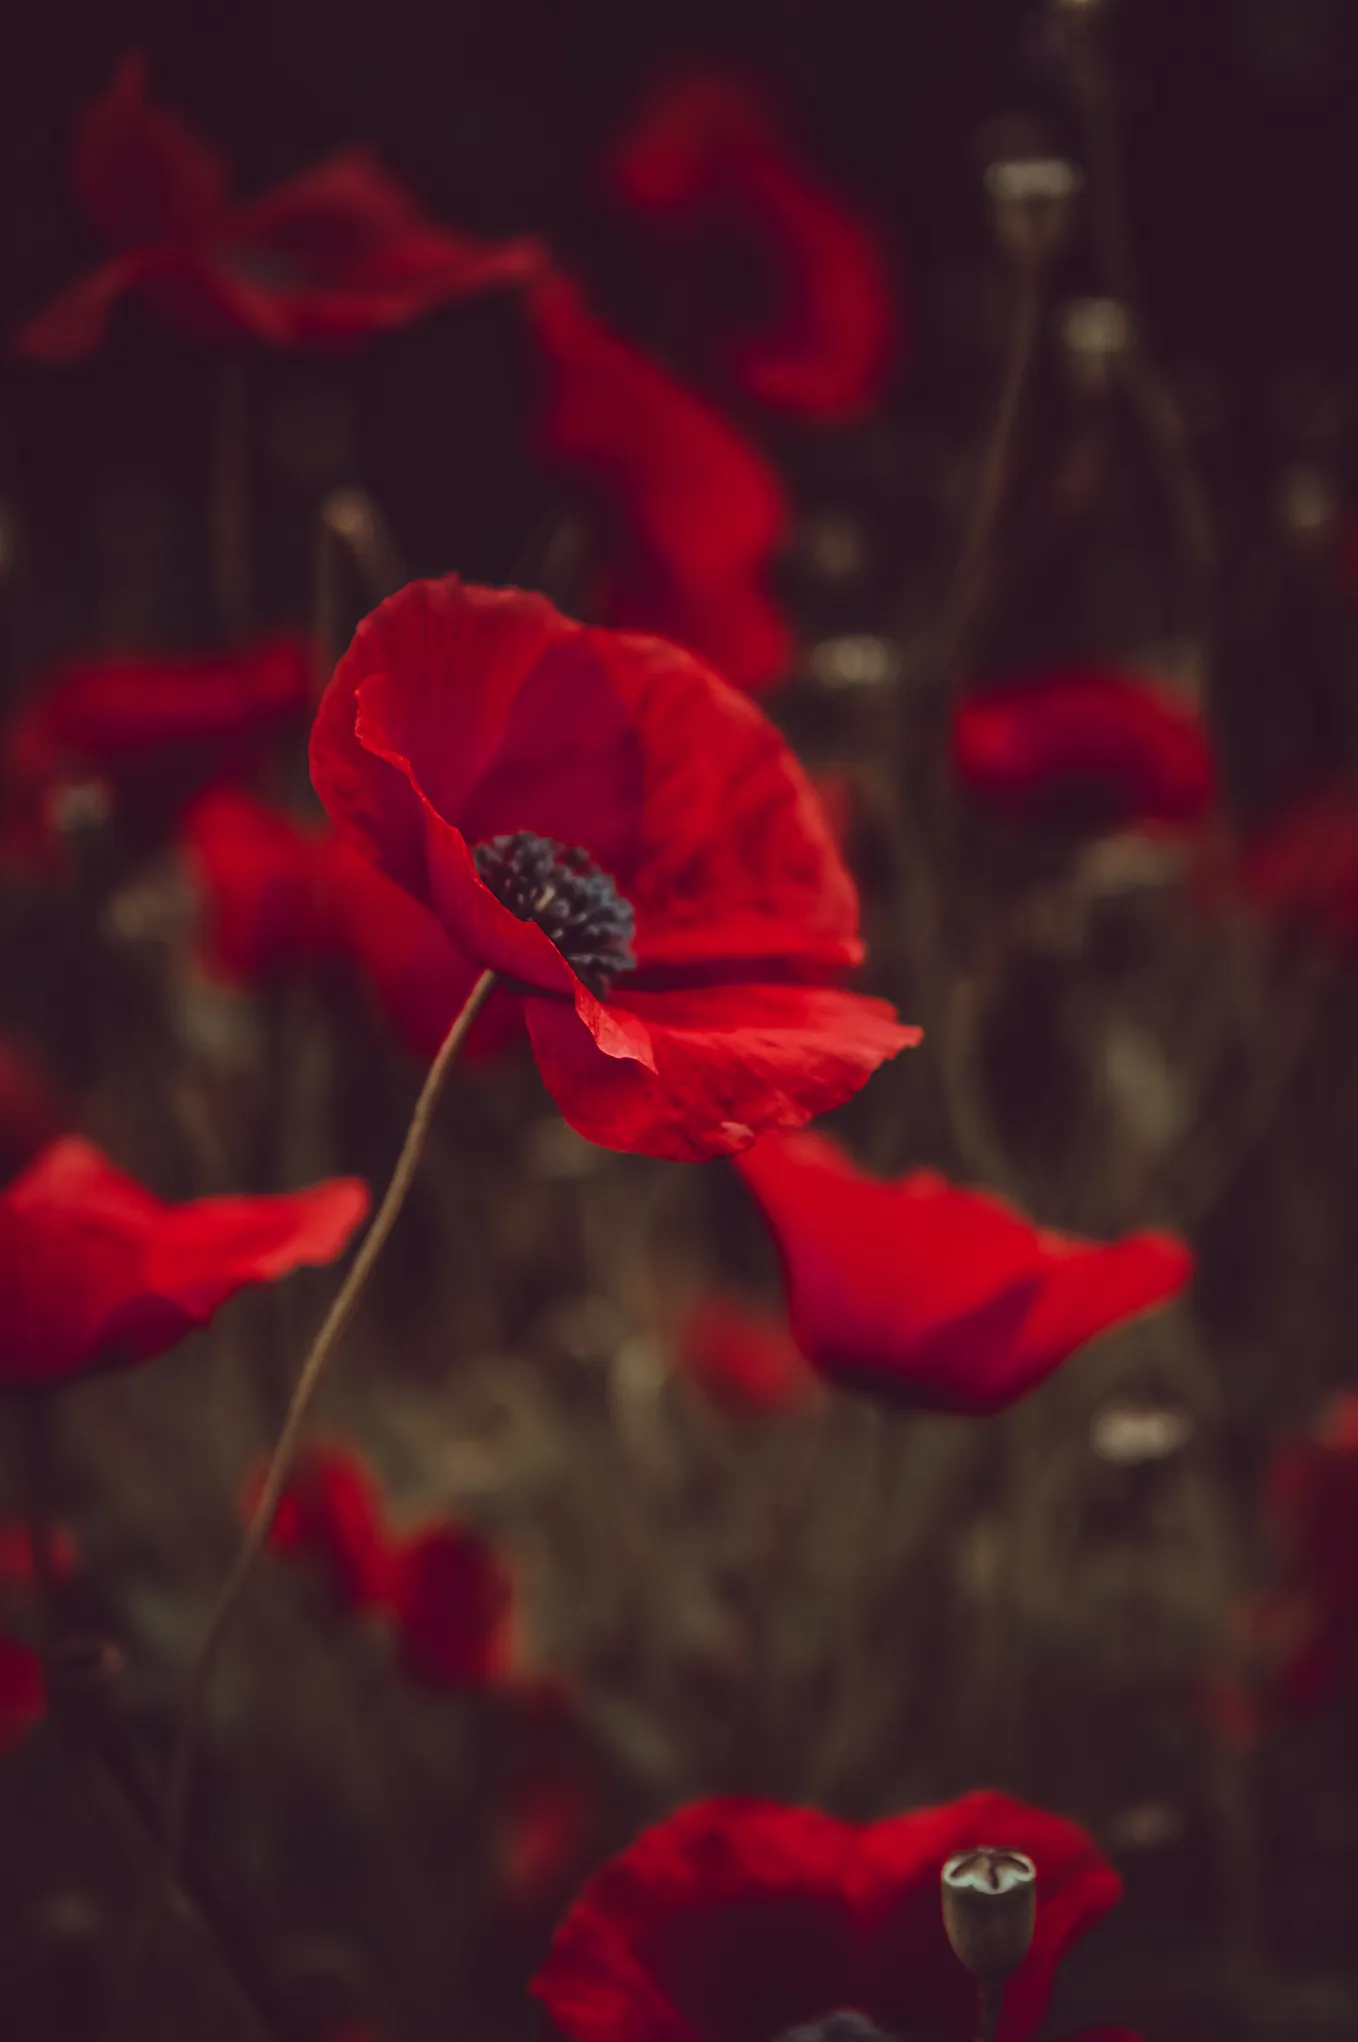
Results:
[844, 2025]
[560, 888]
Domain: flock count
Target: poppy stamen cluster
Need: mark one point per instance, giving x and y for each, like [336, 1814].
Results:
[561, 889]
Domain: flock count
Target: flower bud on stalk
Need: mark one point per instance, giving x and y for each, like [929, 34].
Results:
[989, 1913]
[1032, 205]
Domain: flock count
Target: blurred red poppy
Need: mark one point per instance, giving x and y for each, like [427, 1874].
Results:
[1309, 1626]
[446, 1593]
[1090, 750]
[705, 152]
[744, 1921]
[153, 729]
[699, 512]
[327, 259]
[16, 1554]
[23, 1692]
[1304, 862]
[628, 843]
[277, 899]
[746, 1359]
[544, 1832]
[943, 1298]
[95, 1272]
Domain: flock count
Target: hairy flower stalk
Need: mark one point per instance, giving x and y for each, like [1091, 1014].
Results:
[285, 1451]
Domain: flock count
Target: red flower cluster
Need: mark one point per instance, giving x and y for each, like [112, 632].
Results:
[333, 256]
[446, 1593]
[152, 729]
[706, 154]
[628, 843]
[95, 1272]
[701, 512]
[1084, 749]
[744, 1921]
[940, 1297]
[745, 1359]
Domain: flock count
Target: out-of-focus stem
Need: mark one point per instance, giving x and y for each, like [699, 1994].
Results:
[285, 1450]
[352, 533]
[229, 503]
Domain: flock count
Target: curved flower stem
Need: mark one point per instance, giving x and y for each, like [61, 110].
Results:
[284, 1453]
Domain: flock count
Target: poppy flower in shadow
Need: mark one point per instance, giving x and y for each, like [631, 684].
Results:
[278, 899]
[152, 730]
[628, 843]
[445, 1593]
[698, 512]
[1304, 863]
[96, 1272]
[1087, 750]
[939, 1297]
[743, 1921]
[705, 153]
[23, 1692]
[327, 259]
[745, 1359]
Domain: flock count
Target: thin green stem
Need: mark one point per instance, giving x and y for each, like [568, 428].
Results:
[285, 1450]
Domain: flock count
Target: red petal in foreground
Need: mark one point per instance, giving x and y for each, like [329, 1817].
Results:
[95, 1272]
[1090, 750]
[746, 1359]
[943, 1298]
[23, 1695]
[468, 726]
[706, 153]
[698, 512]
[326, 260]
[736, 1920]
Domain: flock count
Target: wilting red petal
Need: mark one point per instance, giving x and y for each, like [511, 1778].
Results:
[331, 1513]
[736, 1920]
[700, 512]
[691, 1075]
[23, 1694]
[705, 150]
[96, 1272]
[943, 1297]
[746, 1359]
[141, 174]
[1094, 749]
[453, 1604]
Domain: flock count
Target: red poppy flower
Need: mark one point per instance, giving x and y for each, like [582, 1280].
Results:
[23, 1693]
[743, 1921]
[746, 1359]
[325, 260]
[278, 899]
[446, 1593]
[706, 152]
[1305, 862]
[152, 729]
[1097, 750]
[95, 1272]
[944, 1298]
[676, 964]
[700, 512]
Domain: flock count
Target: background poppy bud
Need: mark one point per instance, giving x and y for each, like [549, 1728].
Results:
[990, 1909]
[1095, 334]
[1032, 204]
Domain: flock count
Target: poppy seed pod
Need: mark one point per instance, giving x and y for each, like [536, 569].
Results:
[990, 1909]
[1032, 204]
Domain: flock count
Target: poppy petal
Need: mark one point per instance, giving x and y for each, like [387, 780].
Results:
[23, 1694]
[725, 1063]
[942, 1297]
[141, 174]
